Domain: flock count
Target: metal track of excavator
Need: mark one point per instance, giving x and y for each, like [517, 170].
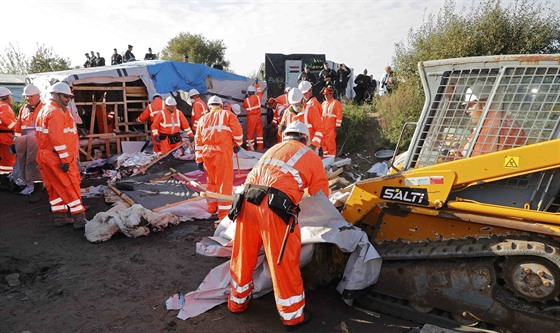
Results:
[510, 283]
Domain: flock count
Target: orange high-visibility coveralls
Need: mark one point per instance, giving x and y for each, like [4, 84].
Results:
[199, 109]
[26, 143]
[218, 131]
[155, 107]
[283, 100]
[7, 126]
[166, 124]
[290, 167]
[57, 137]
[278, 111]
[310, 116]
[254, 122]
[332, 118]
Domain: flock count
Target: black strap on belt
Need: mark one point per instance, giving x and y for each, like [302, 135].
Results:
[6, 131]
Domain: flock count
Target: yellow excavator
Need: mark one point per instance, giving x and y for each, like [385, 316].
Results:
[467, 221]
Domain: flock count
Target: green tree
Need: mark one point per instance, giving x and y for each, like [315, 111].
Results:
[488, 28]
[199, 49]
[13, 61]
[45, 60]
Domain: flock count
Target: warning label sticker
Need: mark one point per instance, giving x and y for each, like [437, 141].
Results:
[511, 162]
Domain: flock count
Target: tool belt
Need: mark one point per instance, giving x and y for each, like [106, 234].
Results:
[278, 202]
[171, 138]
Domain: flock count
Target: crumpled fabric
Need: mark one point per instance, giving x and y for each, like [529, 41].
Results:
[133, 222]
[320, 222]
[190, 210]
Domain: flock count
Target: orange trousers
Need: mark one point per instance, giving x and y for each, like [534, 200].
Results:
[329, 143]
[63, 187]
[7, 159]
[254, 125]
[218, 165]
[257, 226]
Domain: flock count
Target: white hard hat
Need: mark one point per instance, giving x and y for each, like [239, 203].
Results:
[476, 92]
[30, 90]
[193, 92]
[305, 86]
[4, 91]
[155, 95]
[61, 88]
[170, 101]
[215, 100]
[251, 89]
[295, 96]
[296, 127]
[236, 109]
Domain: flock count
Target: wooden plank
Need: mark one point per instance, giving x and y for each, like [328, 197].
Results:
[146, 167]
[216, 195]
[335, 174]
[125, 197]
[189, 180]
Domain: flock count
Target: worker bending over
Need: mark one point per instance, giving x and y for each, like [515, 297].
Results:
[266, 216]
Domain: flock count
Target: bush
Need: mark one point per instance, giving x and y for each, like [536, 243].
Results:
[355, 120]
[395, 109]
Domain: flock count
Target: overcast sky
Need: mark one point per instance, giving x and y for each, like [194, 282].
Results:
[360, 33]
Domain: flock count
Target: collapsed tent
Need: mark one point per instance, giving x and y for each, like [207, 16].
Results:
[109, 99]
[158, 76]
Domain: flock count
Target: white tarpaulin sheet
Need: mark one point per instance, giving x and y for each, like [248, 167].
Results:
[320, 222]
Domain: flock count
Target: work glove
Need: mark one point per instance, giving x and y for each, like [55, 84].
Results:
[13, 149]
[191, 138]
[64, 167]
[200, 166]
[236, 149]
[157, 138]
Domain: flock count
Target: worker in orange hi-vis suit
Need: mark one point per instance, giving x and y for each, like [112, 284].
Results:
[307, 89]
[7, 126]
[283, 99]
[278, 111]
[219, 135]
[167, 125]
[252, 104]
[26, 171]
[305, 113]
[58, 158]
[266, 215]
[199, 108]
[149, 113]
[332, 118]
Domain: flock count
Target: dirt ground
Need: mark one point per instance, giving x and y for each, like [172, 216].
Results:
[67, 284]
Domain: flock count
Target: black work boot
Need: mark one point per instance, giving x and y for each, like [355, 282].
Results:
[79, 220]
[61, 219]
